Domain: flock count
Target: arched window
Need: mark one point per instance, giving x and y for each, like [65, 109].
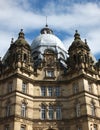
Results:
[43, 112]
[23, 109]
[51, 112]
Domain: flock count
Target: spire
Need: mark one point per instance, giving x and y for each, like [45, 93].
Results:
[77, 35]
[12, 40]
[46, 22]
[21, 34]
[85, 41]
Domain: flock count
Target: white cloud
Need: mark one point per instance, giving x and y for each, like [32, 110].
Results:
[63, 16]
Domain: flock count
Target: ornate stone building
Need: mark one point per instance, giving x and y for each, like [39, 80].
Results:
[43, 86]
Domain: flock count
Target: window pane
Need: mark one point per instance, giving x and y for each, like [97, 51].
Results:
[8, 110]
[57, 91]
[50, 112]
[50, 73]
[23, 110]
[24, 87]
[58, 112]
[43, 91]
[43, 112]
[7, 127]
[92, 109]
[78, 109]
[50, 91]
[23, 127]
[10, 87]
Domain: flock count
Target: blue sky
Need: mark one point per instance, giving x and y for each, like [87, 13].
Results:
[64, 17]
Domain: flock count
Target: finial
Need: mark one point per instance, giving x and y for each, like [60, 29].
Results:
[21, 34]
[12, 40]
[77, 35]
[21, 30]
[85, 41]
[46, 22]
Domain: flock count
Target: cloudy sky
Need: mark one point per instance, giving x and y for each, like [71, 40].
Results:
[63, 16]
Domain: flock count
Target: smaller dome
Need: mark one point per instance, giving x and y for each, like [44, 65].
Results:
[21, 39]
[78, 43]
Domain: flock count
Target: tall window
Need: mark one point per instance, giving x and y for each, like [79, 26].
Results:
[50, 91]
[92, 109]
[25, 57]
[23, 109]
[78, 109]
[43, 91]
[51, 112]
[23, 127]
[90, 87]
[75, 87]
[95, 127]
[8, 110]
[57, 91]
[10, 87]
[43, 112]
[79, 128]
[24, 87]
[58, 112]
[7, 127]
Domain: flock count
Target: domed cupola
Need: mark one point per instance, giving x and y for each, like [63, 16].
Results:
[47, 41]
[79, 54]
[21, 39]
[19, 52]
[78, 43]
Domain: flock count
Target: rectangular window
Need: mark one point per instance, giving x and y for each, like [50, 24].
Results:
[78, 109]
[24, 87]
[43, 112]
[90, 87]
[50, 91]
[92, 109]
[23, 127]
[50, 73]
[57, 91]
[75, 88]
[43, 91]
[79, 128]
[8, 110]
[10, 87]
[7, 127]
[95, 127]
[23, 110]
[50, 112]
[58, 112]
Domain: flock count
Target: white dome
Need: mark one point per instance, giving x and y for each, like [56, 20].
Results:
[49, 40]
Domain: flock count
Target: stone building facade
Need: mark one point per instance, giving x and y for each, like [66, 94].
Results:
[43, 86]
